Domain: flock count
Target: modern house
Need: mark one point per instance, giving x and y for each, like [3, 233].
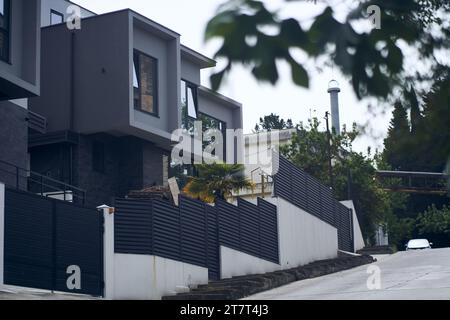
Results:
[255, 150]
[112, 94]
[19, 79]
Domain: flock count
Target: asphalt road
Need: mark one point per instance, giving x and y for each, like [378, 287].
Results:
[407, 275]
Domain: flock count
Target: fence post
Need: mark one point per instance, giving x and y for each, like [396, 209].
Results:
[2, 232]
[42, 185]
[17, 178]
[108, 250]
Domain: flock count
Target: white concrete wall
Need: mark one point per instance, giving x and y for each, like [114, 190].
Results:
[303, 238]
[145, 277]
[358, 239]
[236, 263]
[2, 231]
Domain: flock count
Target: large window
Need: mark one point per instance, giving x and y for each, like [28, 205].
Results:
[189, 105]
[145, 83]
[55, 17]
[209, 122]
[5, 14]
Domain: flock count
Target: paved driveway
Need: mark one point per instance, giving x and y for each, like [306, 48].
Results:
[404, 275]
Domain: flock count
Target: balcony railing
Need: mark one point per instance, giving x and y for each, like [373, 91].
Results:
[37, 122]
[23, 179]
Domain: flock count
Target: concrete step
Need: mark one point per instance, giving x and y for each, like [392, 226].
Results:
[243, 286]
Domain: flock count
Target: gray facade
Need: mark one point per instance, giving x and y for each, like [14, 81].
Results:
[19, 73]
[60, 7]
[13, 142]
[19, 79]
[88, 98]
[102, 51]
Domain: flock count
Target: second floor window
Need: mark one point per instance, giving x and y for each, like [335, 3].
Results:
[56, 17]
[189, 105]
[145, 75]
[5, 10]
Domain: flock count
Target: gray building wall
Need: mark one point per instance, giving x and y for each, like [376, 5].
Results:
[13, 142]
[130, 163]
[102, 78]
[100, 186]
[61, 7]
[220, 107]
[20, 78]
[190, 71]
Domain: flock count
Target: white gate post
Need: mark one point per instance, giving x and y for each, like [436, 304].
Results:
[108, 250]
[2, 234]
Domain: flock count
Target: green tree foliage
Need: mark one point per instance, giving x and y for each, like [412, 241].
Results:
[373, 60]
[216, 181]
[353, 173]
[423, 143]
[434, 221]
[397, 143]
[273, 122]
[432, 141]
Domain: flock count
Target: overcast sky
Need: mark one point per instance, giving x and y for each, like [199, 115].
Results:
[189, 18]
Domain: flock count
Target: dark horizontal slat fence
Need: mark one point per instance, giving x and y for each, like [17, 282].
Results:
[304, 191]
[194, 231]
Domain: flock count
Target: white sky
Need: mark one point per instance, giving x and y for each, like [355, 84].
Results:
[189, 18]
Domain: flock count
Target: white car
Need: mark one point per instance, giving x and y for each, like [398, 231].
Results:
[418, 244]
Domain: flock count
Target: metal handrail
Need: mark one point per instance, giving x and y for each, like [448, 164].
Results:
[37, 122]
[42, 182]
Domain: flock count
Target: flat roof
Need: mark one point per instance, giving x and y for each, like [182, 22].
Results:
[220, 97]
[143, 19]
[198, 58]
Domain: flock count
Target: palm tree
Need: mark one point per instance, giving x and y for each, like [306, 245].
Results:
[216, 181]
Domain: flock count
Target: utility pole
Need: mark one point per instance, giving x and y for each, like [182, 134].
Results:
[263, 187]
[349, 184]
[330, 165]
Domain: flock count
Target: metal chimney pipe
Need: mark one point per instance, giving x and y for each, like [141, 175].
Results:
[333, 90]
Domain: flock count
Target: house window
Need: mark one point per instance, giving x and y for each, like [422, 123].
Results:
[56, 17]
[5, 15]
[98, 156]
[209, 122]
[189, 105]
[145, 86]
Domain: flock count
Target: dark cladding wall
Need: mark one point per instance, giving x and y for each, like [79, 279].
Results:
[304, 191]
[153, 165]
[13, 142]
[129, 164]
[100, 187]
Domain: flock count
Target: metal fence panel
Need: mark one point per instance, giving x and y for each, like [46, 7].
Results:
[268, 231]
[229, 226]
[194, 233]
[133, 227]
[306, 192]
[166, 230]
[213, 254]
[79, 242]
[44, 237]
[250, 227]
[28, 251]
